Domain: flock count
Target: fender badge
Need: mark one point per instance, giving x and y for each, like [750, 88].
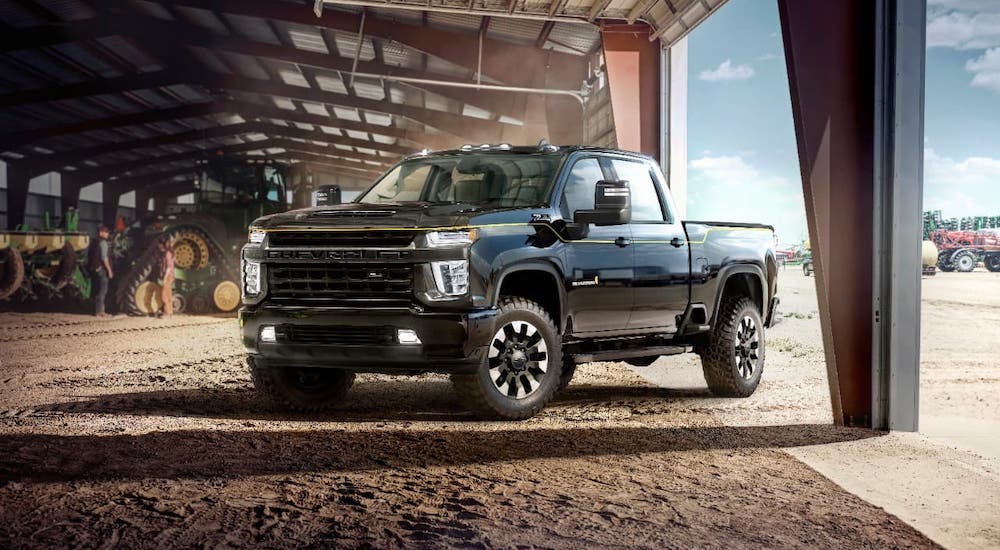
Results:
[596, 281]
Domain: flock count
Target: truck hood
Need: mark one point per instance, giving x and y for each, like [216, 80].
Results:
[416, 215]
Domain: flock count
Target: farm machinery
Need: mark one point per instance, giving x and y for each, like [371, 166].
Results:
[962, 250]
[206, 237]
[46, 263]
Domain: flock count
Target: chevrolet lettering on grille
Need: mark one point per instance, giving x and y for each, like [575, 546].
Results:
[338, 254]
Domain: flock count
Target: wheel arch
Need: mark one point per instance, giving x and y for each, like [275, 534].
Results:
[522, 280]
[746, 279]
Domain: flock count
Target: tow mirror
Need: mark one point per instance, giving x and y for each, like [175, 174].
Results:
[612, 205]
[328, 195]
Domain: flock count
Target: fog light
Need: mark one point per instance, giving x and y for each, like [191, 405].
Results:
[407, 336]
[267, 334]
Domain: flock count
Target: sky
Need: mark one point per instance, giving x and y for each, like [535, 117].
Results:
[742, 157]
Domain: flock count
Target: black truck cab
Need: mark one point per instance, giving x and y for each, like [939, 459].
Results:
[504, 267]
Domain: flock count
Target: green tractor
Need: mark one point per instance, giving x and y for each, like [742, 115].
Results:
[206, 238]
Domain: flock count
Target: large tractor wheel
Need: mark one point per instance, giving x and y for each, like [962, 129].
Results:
[190, 249]
[944, 262]
[11, 272]
[964, 261]
[992, 262]
[148, 298]
[226, 296]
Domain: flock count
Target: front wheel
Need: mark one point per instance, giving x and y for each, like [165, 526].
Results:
[301, 389]
[734, 359]
[522, 369]
[992, 262]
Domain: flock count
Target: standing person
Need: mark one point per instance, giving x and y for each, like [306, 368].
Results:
[99, 263]
[167, 276]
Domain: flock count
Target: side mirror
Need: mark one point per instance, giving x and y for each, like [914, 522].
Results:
[328, 195]
[612, 205]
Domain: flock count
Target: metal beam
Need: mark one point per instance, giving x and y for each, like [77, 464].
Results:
[14, 140]
[503, 61]
[125, 83]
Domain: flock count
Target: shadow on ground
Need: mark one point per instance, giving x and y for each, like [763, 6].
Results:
[417, 400]
[237, 453]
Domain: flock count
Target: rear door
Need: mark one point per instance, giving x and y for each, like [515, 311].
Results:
[599, 264]
[661, 275]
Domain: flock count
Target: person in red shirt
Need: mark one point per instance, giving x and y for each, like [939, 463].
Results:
[167, 276]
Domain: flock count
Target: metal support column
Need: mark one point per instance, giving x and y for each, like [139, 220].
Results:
[633, 64]
[17, 195]
[673, 120]
[898, 192]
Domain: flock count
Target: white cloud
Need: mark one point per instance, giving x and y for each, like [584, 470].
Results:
[971, 171]
[727, 71]
[986, 70]
[728, 188]
[732, 170]
[964, 31]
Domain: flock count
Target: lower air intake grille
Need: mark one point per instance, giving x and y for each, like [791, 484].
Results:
[338, 336]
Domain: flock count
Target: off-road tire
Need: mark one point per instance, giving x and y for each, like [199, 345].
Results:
[567, 373]
[944, 262]
[806, 270]
[992, 262]
[970, 261]
[478, 392]
[279, 386]
[718, 358]
[11, 272]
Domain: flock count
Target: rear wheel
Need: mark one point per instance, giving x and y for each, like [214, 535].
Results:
[992, 262]
[734, 359]
[523, 368]
[964, 261]
[301, 389]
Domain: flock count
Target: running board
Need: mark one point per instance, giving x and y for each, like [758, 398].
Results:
[619, 354]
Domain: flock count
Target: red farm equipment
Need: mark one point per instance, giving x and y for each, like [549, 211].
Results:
[963, 250]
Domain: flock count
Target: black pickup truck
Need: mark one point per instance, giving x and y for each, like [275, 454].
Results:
[504, 267]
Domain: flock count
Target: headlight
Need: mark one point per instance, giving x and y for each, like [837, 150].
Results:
[251, 278]
[256, 237]
[451, 238]
[451, 279]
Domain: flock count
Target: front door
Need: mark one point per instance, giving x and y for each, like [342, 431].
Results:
[599, 261]
[661, 278]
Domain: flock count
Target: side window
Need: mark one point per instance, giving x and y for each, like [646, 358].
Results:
[580, 186]
[646, 205]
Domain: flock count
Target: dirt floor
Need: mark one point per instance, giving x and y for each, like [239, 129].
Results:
[146, 433]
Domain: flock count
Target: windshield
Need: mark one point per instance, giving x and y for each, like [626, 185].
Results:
[496, 180]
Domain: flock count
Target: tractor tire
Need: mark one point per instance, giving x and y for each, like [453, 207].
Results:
[127, 293]
[301, 389]
[11, 272]
[964, 261]
[523, 368]
[992, 262]
[734, 358]
[944, 262]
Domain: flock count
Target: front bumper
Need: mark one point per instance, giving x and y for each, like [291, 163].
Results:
[449, 342]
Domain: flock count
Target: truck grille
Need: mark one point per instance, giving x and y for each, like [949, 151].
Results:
[338, 336]
[320, 239]
[326, 283]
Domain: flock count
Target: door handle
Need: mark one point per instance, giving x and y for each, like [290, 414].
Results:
[676, 242]
[622, 242]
